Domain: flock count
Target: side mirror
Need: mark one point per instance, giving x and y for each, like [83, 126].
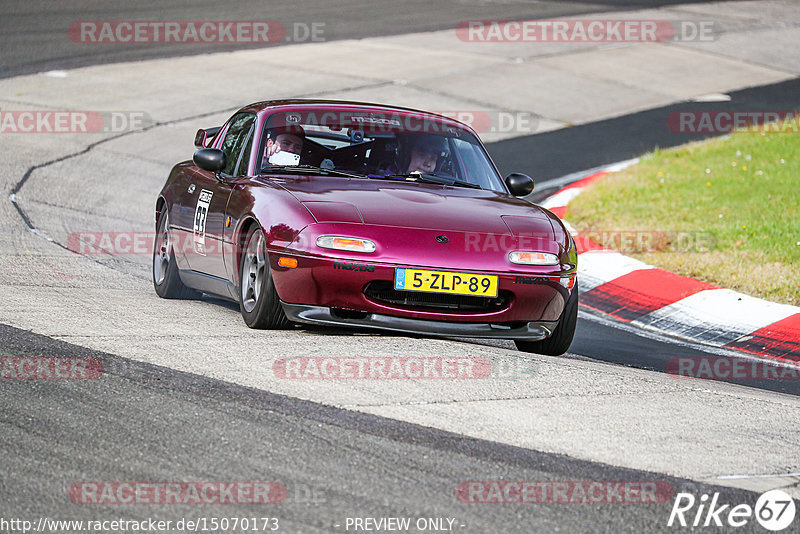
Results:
[210, 159]
[519, 184]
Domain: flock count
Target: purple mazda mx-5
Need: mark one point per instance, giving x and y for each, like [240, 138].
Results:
[363, 215]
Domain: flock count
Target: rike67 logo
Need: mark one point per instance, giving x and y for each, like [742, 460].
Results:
[774, 510]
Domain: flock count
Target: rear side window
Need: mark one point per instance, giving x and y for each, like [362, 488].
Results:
[236, 144]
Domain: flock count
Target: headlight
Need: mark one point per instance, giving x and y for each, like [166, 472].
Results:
[350, 244]
[524, 257]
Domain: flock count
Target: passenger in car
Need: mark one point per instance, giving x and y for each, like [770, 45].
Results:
[284, 146]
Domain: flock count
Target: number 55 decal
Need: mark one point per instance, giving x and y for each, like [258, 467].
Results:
[200, 217]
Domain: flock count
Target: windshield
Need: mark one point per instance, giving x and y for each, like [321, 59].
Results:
[377, 145]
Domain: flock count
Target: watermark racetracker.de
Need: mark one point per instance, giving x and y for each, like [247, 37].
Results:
[730, 368]
[178, 493]
[733, 121]
[50, 368]
[625, 241]
[316, 367]
[72, 121]
[563, 492]
[385, 368]
[648, 241]
[587, 31]
[482, 121]
[138, 243]
[194, 31]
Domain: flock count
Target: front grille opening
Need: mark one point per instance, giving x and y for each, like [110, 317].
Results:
[383, 292]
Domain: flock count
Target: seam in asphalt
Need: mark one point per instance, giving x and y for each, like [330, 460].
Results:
[720, 55]
[673, 390]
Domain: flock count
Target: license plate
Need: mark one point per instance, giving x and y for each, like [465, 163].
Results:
[481, 285]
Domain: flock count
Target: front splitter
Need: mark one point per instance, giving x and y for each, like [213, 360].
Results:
[532, 331]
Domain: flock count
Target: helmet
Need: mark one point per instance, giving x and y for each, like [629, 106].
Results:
[406, 142]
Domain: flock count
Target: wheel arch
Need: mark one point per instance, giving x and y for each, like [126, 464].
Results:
[245, 225]
[161, 202]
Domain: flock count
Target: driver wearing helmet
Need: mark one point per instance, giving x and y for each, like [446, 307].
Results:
[418, 153]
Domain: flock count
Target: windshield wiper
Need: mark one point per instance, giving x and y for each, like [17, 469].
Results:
[434, 179]
[307, 169]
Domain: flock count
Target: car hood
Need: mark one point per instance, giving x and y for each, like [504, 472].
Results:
[417, 205]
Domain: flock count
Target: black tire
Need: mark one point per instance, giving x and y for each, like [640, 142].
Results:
[166, 280]
[558, 343]
[258, 299]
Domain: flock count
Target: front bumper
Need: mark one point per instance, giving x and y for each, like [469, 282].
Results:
[317, 282]
[531, 331]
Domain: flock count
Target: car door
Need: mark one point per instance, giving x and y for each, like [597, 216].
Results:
[211, 198]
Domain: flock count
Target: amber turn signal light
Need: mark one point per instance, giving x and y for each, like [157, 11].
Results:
[287, 262]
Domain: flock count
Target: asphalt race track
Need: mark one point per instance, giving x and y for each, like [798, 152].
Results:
[188, 393]
[220, 431]
[31, 32]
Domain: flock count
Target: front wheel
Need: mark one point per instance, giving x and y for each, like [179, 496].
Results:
[558, 343]
[258, 299]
